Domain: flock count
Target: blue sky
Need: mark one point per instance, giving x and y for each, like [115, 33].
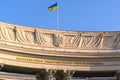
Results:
[77, 15]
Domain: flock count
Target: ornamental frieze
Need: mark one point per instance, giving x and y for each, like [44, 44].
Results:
[59, 39]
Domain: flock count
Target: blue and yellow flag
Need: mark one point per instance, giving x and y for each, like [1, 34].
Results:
[53, 7]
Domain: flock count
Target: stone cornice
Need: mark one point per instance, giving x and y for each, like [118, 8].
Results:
[56, 52]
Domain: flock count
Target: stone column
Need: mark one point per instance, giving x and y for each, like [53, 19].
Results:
[118, 75]
[50, 74]
[68, 74]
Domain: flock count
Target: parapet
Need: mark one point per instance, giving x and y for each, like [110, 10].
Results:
[14, 34]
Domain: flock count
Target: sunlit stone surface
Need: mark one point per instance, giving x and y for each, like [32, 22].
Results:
[58, 55]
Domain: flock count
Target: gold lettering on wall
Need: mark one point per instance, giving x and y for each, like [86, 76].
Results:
[57, 62]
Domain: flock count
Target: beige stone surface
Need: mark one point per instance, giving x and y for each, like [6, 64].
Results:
[58, 39]
[62, 50]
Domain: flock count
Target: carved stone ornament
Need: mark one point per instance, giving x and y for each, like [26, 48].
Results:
[58, 40]
[63, 39]
[68, 74]
[51, 74]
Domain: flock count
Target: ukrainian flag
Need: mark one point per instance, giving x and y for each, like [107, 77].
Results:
[53, 7]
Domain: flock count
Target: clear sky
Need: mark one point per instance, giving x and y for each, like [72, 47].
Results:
[77, 15]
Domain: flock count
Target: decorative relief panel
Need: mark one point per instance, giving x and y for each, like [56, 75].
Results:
[112, 41]
[24, 36]
[91, 41]
[73, 41]
[7, 33]
[58, 40]
[62, 39]
[68, 40]
[40, 38]
[49, 39]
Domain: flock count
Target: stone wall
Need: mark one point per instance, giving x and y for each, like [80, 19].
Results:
[61, 39]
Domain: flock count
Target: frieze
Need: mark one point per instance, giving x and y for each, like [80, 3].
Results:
[59, 39]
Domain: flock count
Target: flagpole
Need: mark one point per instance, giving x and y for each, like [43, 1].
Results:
[58, 18]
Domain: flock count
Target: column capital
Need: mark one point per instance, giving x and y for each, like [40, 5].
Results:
[68, 74]
[50, 74]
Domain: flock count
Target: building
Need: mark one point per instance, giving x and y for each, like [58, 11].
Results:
[59, 55]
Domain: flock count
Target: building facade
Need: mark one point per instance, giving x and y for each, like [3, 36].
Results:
[59, 55]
